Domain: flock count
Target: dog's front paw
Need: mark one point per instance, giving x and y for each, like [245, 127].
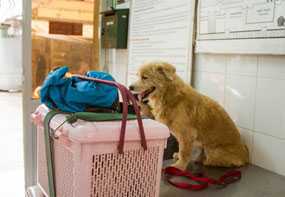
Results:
[180, 165]
[175, 156]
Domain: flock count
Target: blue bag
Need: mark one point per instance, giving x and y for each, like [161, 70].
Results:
[76, 95]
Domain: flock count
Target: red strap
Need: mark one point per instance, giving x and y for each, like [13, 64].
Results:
[126, 96]
[139, 119]
[202, 181]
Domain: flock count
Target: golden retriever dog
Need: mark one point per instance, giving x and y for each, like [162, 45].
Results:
[194, 119]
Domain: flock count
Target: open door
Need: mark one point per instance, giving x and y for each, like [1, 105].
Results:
[55, 33]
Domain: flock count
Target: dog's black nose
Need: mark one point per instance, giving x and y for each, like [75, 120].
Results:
[131, 87]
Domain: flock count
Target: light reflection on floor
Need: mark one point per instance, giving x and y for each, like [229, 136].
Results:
[11, 148]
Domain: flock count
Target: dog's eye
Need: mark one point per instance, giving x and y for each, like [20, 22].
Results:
[144, 78]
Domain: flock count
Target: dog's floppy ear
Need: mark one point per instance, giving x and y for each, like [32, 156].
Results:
[167, 71]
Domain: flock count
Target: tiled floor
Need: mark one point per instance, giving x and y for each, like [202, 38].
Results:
[11, 148]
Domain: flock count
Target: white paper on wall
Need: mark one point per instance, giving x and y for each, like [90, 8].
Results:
[238, 19]
[160, 30]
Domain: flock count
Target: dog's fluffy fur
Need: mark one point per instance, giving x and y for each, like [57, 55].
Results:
[194, 119]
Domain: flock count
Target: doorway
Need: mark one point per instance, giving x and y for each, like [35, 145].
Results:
[55, 33]
[11, 135]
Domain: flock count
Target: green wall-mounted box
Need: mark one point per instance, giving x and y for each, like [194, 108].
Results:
[114, 33]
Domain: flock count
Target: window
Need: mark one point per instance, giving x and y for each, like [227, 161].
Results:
[65, 28]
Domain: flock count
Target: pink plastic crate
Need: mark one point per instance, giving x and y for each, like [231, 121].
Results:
[87, 163]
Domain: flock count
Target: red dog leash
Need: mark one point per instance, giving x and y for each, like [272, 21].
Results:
[202, 181]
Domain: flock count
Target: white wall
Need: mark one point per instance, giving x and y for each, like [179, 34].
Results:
[252, 90]
[116, 63]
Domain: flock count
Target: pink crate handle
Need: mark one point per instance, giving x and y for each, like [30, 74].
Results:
[127, 97]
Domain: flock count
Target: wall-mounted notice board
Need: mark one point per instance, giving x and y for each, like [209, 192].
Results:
[161, 30]
[237, 19]
[222, 22]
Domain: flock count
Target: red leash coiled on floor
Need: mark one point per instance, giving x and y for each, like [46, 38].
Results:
[202, 181]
